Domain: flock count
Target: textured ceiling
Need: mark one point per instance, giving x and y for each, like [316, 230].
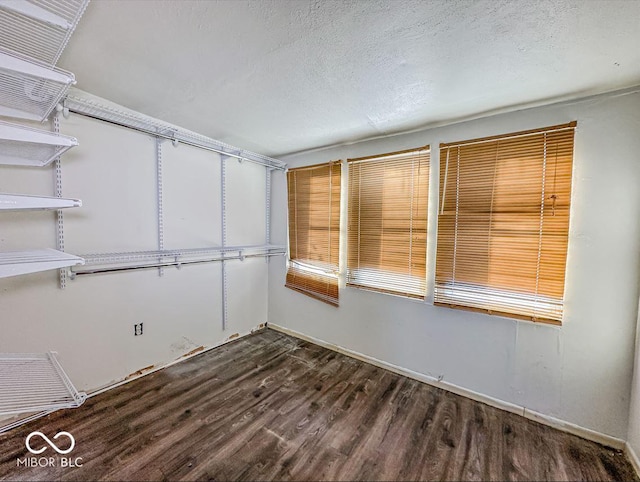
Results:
[283, 76]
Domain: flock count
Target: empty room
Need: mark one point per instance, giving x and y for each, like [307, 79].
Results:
[319, 240]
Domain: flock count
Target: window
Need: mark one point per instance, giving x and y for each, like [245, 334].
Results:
[314, 230]
[503, 223]
[387, 226]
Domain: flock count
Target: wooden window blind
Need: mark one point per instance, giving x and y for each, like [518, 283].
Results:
[387, 225]
[503, 223]
[314, 230]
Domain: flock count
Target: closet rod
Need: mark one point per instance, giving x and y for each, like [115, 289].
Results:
[171, 138]
[168, 263]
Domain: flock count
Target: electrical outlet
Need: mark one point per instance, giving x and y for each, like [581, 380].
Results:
[137, 329]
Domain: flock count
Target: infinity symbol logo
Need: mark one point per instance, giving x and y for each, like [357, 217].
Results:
[51, 444]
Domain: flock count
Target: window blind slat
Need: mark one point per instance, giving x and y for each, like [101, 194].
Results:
[503, 223]
[314, 230]
[387, 226]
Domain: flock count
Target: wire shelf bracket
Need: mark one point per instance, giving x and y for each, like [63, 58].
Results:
[35, 382]
[19, 202]
[30, 89]
[15, 263]
[25, 146]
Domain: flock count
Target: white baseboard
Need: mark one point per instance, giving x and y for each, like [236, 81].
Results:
[13, 423]
[574, 429]
[633, 457]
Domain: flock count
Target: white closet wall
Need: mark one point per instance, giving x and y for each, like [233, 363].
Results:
[91, 322]
[633, 436]
[192, 203]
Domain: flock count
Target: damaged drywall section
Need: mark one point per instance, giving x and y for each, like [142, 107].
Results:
[195, 352]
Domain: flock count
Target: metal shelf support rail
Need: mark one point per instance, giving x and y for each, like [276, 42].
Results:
[267, 204]
[223, 194]
[62, 273]
[160, 203]
[77, 102]
[35, 382]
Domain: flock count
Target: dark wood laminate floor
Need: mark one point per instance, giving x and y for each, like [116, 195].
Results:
[269, 407]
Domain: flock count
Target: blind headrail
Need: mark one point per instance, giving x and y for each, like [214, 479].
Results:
[559, 127]
[418, 150]
[314, 166]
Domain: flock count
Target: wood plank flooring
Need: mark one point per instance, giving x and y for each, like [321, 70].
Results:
[272, 407]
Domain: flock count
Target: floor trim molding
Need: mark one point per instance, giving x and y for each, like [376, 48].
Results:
[633, 457]
[559, 424]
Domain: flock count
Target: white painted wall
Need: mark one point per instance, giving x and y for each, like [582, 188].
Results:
[90, 323]
[633, 437]
[580, 372]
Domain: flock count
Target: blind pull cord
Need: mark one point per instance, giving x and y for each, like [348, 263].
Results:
[444, 185]
[553, 198]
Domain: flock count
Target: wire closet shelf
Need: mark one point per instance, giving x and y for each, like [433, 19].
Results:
[34, 382]
[20, 202]
[14, 263]
[26, 146]
[39, 29]
[111, 262]
[30, 89]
